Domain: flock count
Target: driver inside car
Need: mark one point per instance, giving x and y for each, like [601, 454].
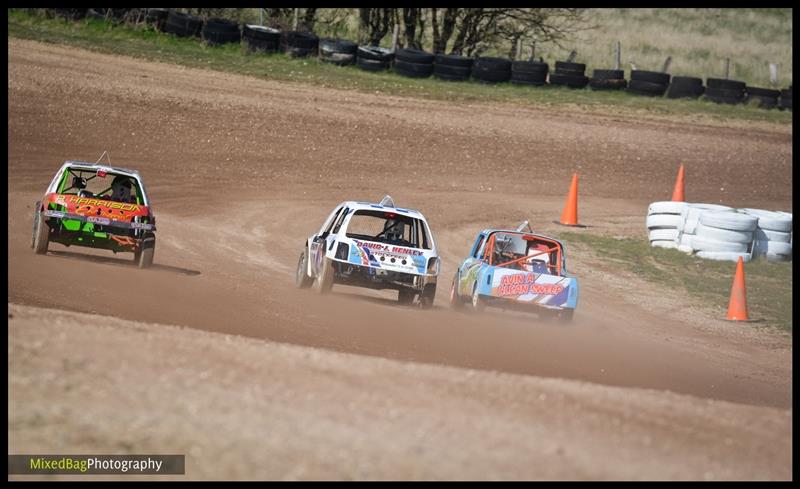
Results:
[122, 189]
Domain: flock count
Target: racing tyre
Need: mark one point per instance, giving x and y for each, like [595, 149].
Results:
[478, 304]
[426, 298]
[35, 223]
[324, 281]
[41, 237]
[405, 296]
[565, 316]
[455, 300]
[301, 278]
[144, 257]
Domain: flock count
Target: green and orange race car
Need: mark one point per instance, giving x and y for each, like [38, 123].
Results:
[87, 204]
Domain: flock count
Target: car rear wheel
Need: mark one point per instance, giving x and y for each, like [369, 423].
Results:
[144, 257]
[405, 296]
[565, 315]
[41, 236]
[324, 281]
[301, 278]
[478, 304]
[426, 298]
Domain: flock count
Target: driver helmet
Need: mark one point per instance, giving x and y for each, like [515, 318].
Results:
[121, 189]
[536, 259]
[394, 230]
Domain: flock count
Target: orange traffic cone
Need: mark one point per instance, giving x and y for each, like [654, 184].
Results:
[737, 307]
[677, 194]
[570, 215]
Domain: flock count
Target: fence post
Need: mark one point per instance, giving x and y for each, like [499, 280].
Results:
[519, 48]
[294, 24]
[261, 17]
[666, 64]
[727, 68]
[617, 55]
[533, 50]
[572, 56]
[773, 74]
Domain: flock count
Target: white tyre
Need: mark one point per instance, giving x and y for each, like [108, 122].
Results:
[773, 221]
[700, 243]
[723, 255]
[664, 235]
[664, 221]
[685, 240]
[692, 214]
[724, 234]
[774, 257]
[732, 221]
[666, 207]
[768, 235]
[762, 247]
[686, 249]
[660, 243]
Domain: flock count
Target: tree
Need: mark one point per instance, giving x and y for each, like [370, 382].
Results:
[374, 24]
[448, 25]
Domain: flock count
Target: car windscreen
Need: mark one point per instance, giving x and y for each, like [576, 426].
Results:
[512, 250]
[388, 227]
[90, 183]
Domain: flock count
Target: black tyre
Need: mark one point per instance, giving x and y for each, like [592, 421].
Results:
[372, 65]
[565, 315]
[608, 75]
[451, 73]
[687, 80]
[338, 59]
[41, 238]
[324, 281]
[571, 81]
[639, 87]
[477, 302]
[677, 90]
[183, 25]
[723, 84]
[529, 67]
[723, 100]
[220, 31]
[301, 278]
[35, 223]
[522, 81]
[569, 68]
[654, 77]
[725, 93]
[299, 44]
[490, 76]
[453, 60]
[262, 34]
[607, 84]
[405, 296]
[144, 257]
[427, 296]
[531, 78]
[413, 70]
[256, 45]
[762, 92]
[486, 63]
[785, 101]
[455, 300]
[341, 46]
[374, 53]
[299, 52]
[414, 56]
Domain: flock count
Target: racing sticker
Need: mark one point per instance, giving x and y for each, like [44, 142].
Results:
[520, 284]
[103, 209]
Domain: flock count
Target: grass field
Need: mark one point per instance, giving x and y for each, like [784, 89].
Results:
[149, 44]
[769, 285]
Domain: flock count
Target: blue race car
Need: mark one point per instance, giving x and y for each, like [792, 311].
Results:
[516, 270]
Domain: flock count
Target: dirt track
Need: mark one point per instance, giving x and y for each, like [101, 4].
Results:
[242, 170]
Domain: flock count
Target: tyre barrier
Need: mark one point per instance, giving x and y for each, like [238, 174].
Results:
[765, 98]
[491, 70]
[220, 31]
[183, 25]
[685, 87]
[724, 91]
[664, 222]
[648, 83]
[450, 67]
[529, 73]
[257, 38]
[374, 58]
[157, 17]
[570, 75]
[785, 101]
[299, 44]
[413, 63]
[773, 234]
[608, 80]
[337, 51]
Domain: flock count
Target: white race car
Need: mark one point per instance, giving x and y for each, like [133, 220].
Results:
[378, 246]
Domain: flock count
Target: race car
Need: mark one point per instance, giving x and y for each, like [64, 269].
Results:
[97, 206]
[372, 245]
[515, 269]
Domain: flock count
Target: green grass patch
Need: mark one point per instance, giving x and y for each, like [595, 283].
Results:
[769, 285]
[145, 43]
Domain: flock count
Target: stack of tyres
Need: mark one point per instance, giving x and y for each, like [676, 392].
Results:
[685, 87]
[608, 80]
[691, 219]
[374, 58]
[452, 67]
[220, 31]
[337, 51]
[183, 25]
[785, 102]
[491, 70]
[569, 74]
[299, 44]
[724, 236]
[261, 39]
[773, 234]
[724, 91]
[413, 63]
[648, 83]
[529, 73]
[157, 17]
[765, 98]
[664, 223]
